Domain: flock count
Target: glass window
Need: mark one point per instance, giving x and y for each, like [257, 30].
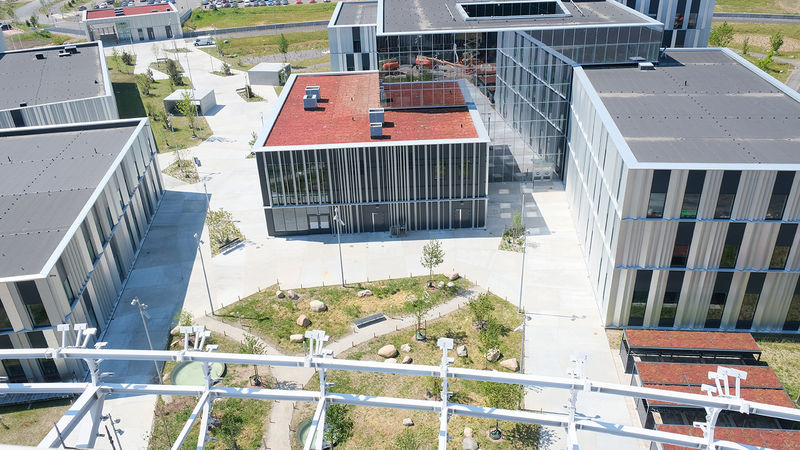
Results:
[750, 301]
[691, 195]
[792, 322]
[718, 298]
[62, 275]
[732, 242]
[13, 367]
[780, 192]
[658, 194]
[641, 290]
[727, 194]
[683, 240]
[672, 295]
[652, 10]
[5, 322]
[680, 10]
[89, 243]
[782, 246]
[33, 303]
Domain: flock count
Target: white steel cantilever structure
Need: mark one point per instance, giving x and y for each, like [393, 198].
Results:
[90, 401]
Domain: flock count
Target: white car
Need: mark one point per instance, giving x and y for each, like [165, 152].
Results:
[203, 40]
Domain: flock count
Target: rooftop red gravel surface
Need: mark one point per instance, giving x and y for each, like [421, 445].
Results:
[342, 116]
[782, 439]
[132, 11]
[777, 397]
[697, 374]
[705, 340]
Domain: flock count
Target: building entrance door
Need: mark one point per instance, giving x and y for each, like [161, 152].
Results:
[462, 218]
[150, 34]
[378, 222]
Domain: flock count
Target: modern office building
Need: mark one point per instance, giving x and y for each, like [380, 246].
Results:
[328, 144]
[687, 23]
[684, 188]
[132, 24]
[55, 85]
[75, 204]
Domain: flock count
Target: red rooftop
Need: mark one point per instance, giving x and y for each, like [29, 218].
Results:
[342, 114]
[132, 11]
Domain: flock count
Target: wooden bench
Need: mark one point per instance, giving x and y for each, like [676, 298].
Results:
[369, 320]
[230, 245]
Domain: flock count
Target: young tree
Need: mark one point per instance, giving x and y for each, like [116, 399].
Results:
[156, 51]
[432, 256]
[174, 72]
[721, 35]
[220, 47]
[127, 58]
[746, 45]
[34, 21]
[143, 82]
[283, 46]
[776, 41]
[481, 309]
[150, 77]
[253, 138]
[115, 57]
[252, 346]
[340, 424]
[226, 69]
[420, 307]
[185, 106]
[501, 396]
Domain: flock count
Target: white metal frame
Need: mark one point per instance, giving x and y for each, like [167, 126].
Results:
[92, 393]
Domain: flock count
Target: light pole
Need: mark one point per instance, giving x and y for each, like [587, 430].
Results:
[205, 276]
[524, 248]
[339, 224]
[143, 314]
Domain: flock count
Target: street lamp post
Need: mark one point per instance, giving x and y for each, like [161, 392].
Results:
[143, 314]
[205, 276]
[339, 224]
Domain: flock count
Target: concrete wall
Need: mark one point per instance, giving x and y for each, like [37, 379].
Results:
[127, 27]
[75, 111]
[86, 280]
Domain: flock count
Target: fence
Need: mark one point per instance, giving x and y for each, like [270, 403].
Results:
[276, 26]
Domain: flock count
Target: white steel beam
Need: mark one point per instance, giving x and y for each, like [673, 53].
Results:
[72, 417]
[187, 427]
[315, 422]
[201, 438]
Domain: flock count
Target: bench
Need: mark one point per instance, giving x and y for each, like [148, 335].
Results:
[230, 245]
[369, 320]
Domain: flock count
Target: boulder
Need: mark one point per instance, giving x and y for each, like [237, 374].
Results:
[317, 306]
[440, 284]
[406, 348]
[280, 294]
[390, 360]
[493, 355]
[411, 298]
[468, 432]
[461, 351]
[452, 276]
[408, 422]
[510, 364]
[387, 351]
[450, 284]
[365, 293]
[292, 295]
[469, 443]
[296, 338]
[407, 359]
[303, 320]
[175, 331]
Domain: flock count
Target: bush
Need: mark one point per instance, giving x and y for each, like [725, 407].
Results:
[174, 72]
[127, 58]
[481, 309]
[746, 45]
[221, 229]
[721, 35]
[776, 41]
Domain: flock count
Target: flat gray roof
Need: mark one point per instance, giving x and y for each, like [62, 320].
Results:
[403, 16]
[52, 79]
[700, 107]
[358, 13]
[47, 175]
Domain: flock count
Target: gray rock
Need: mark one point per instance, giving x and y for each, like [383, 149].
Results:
[303, 320]
[440, 284]
[296, 338]
[469, 443]
[317, 306]
[408, 422]
[452, 276]
[510, 364]
[407, 359]
[461, 351]
[388, 351]
[493, 355]
[411, 298]
[365, 293]
[390, 360]
[280, 294]
[406, 348]
[293, 295]
[450, 284]
[468, 432]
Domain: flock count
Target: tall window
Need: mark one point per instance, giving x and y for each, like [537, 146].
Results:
[680, 11]
[13, 367]
[718, 298]
[33, 303]
[750, 301]
[691, 196]
[658, 194]
[89, 243]
[672, 295]
[641, 289]
[683, 240]
[62, 274]
[782, 246]
[47, 366]
[693, 11]
[727, 194]
[792, 322]
[780, 192]
[5, 322]
[733, 241]
[652, 10]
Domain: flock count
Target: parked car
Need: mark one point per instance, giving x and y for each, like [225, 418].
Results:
[312, 1]
[285, 2]
[299, 2]
[102, 5]
[82, 8]
[269, 3]
[203, 40]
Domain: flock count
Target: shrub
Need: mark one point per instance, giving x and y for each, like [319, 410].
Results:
[174, 72]
[721, 35]
[127, 58]
[340, 423]
[746, 45]
[776, 41]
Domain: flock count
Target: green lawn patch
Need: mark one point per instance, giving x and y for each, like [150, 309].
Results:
[7, 8]
[183, 170]
[382, 428]
[758, 6]
[782, 353]
[73, 5]
[30, 423]
[238, 49]
[204, 19]
[779, 71]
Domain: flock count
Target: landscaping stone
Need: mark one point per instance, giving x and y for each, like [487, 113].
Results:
[388, 351]
[296, 338]
[405, 348]
[293, 295]
[469, 443]
[317, 306]
[468, 432]
[390, 360]
[175, 331]
[450, 284]
[452, 276]
[461, 351]
[303, 320]
[510, 364]
[280, 294]
[407, 359]
[408, 422]
[493, 355]
[365, 293]
[441, 284]
[411, 298]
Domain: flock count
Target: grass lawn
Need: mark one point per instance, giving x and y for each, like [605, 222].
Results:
[383, 429]
[183, 170]
[65, 7]
[759, 33]
[132, 104]
[7, 8]
[779, 71]
[274, 319]
[29, 424]
[203, 19]
[242, 420]
[41, 38]
[758, 6]
[237, 49]
[783, 355]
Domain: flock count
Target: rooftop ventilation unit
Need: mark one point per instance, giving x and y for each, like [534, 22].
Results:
[313, 90]
[310, 101]
[375, 130]
[71, 49]
[23, 104]
[63, 53]
[376, 115]
[119, 12]
[646, 66]
[40, 56]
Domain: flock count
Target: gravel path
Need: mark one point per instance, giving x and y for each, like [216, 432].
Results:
[290, 56]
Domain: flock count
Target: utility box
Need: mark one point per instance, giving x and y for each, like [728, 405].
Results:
[269, 74]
